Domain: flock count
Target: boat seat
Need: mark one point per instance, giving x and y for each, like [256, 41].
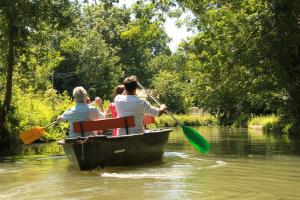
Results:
[148, 119]
[103, 124]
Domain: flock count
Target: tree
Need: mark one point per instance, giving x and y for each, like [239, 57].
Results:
[142, 40]
[108, 44]
[91, 51]
[282, 48]
[228, 64]
[172, 91]
[19, 20]
[101, 68]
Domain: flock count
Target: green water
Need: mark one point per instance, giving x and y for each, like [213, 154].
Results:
[241, 165]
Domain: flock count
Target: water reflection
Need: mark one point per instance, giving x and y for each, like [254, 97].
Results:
[242, 164]
[241, 142]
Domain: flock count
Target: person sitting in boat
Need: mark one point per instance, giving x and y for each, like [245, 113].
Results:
[82, 111]
[111, 111]
[130, 104]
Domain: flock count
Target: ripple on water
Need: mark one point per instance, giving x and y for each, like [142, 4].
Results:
[176, 175]
[175, 154]
[58, 156]
[216, 164]
[219, 163]
[196, 159]
[190, 161]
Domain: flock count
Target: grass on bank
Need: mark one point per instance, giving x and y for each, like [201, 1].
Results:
[189, 120]
[266, 123]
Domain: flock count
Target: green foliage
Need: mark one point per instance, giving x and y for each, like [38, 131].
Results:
[36, 65]
[245, 58]
[100, 68]
[267, 123]
[244, 61]
[29, 16]
[188, 120]
[108, 44]
[164, 62]
[222, 56]
[172, 91]
[71, 45]
[142, 40]
[39, 109]
[241, 120]
[19, 20]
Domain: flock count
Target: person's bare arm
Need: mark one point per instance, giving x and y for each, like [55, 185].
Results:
[162, 109]
[98, 102]
[59, 120]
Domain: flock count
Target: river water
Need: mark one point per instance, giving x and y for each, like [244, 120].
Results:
[242, 164]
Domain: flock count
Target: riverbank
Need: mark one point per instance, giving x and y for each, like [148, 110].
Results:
[59, 132]
[269, 123]
[189, 120]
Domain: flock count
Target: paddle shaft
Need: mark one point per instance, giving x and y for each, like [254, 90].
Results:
[195, 139]
[156, 100]
[52, 123]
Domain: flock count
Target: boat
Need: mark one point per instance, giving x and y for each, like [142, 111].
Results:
[87, 153]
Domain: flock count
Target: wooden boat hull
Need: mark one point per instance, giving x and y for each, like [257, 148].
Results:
[101, 151]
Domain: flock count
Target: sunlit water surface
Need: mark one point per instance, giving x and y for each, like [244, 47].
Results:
[242, 164]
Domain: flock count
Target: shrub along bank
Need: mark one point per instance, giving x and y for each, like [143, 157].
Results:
[38, 110]
[269, 123]
[189, 120]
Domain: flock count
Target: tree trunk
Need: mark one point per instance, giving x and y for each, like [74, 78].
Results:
[4, 110]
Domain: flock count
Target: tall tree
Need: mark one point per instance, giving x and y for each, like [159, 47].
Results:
[91, 50]
[247, 57]
[143, 39]
[223, 64]
[110, 42]
[20, 19]
[282, 47]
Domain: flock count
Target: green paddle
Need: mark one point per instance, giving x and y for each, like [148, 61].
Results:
[195, 139]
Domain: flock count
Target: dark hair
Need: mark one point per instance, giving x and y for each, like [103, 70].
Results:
[119, 90]
[130, 83]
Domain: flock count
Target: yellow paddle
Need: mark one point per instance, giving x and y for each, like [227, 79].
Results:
[33, 134]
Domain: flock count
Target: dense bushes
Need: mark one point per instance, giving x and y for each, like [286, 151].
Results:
[32, 109]
[189, 120]
[266, 123]
[172, 91]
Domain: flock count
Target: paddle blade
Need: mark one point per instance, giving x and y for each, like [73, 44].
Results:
[31, 135]
[196, 139]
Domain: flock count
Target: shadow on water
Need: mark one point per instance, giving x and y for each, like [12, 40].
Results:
[33, 151]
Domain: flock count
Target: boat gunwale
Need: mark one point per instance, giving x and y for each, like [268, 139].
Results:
[99, 138]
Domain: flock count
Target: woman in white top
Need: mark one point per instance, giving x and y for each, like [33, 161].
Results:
[131, 105]
[82, 111]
